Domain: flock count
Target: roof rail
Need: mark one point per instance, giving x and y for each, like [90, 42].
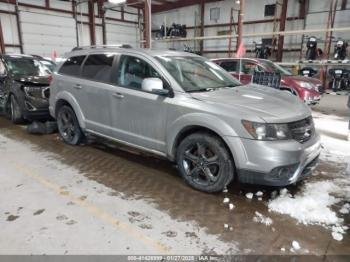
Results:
[100, 46]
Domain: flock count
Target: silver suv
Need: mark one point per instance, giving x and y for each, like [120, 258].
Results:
[188, 109]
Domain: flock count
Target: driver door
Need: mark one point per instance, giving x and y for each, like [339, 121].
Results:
[138, 117]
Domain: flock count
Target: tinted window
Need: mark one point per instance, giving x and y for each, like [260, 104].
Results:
[72, 66]
[229, 66]
[99, 67]
[133, 70]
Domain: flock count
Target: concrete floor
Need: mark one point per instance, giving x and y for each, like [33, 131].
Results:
[98, 199]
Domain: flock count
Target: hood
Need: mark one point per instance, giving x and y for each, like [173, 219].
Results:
[268, 104]
[302, 78]
[32, 80]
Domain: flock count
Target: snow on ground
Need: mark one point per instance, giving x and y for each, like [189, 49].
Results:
[260, 218]
[314, 202]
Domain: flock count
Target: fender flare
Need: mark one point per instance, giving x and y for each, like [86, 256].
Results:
[196, 120]
[70, 99]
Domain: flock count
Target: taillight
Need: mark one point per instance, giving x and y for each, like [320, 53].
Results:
[50, 79]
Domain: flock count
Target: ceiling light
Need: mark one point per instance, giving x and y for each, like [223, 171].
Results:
[116, 2]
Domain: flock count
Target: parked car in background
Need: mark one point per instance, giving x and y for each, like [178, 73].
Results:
[307, 89]
[184, 107]
[24, 88]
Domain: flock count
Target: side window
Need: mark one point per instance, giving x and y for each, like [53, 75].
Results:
[229, 66]
[72, 66]
[98, 67]
[249, 67]
[132, 71]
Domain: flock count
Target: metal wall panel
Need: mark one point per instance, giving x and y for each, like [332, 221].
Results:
[43, 34]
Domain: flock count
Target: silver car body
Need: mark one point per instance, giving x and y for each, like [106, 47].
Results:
[156, 123]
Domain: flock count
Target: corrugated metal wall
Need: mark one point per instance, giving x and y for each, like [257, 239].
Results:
[44, 31]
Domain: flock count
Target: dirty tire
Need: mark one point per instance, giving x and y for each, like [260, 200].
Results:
[68, 126]
[204, 162]
[15, 111]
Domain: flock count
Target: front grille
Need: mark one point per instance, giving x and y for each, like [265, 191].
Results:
[302, 130]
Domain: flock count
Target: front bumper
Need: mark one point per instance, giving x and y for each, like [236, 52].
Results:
[35, 108]
[274, 163]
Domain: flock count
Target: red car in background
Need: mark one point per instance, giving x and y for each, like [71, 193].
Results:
[308, 89]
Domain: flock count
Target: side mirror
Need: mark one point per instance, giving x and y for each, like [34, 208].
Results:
[155, 86]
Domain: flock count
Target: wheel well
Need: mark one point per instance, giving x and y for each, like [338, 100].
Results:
[61, 103]
[195, 129]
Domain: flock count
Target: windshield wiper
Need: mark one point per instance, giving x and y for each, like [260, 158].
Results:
[200, 90]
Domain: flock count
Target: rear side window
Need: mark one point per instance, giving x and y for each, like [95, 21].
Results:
[99, 67]
[229, 66]
[72, 66]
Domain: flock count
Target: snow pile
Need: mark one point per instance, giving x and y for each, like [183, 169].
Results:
[311, 206]
[249, 195]
[226, 200]
[345, 209]
[260, 218]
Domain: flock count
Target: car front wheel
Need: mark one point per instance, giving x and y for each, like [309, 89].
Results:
[68, 126]
[15, 111]
[204, 162]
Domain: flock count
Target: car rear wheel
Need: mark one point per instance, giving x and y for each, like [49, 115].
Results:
[68, 126]
[15, 111]
[204, 162]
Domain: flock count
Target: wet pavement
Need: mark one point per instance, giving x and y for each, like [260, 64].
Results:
[137, 176]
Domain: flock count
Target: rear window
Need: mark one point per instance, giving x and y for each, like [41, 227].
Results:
[99, 67]
[72, 66]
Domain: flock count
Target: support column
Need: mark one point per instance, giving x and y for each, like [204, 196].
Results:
[2, 41]
[282, 28]
[240, 22]
[147, 21]
[201, 44]
[102, 15]
[92, 24]
[19, 28]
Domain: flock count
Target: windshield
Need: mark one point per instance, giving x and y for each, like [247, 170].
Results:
[196, 73]
[275, 68]
[20, 66]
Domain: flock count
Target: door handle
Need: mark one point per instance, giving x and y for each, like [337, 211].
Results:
[118, 95]
[77, 86]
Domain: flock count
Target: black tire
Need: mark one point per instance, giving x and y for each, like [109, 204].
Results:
[204, 162]
[68, 126]
[15, 113]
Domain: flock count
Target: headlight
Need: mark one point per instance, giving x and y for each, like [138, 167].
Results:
[263, 131]
[305, 85]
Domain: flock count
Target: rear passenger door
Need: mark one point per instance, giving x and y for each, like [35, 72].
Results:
[96, 92]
